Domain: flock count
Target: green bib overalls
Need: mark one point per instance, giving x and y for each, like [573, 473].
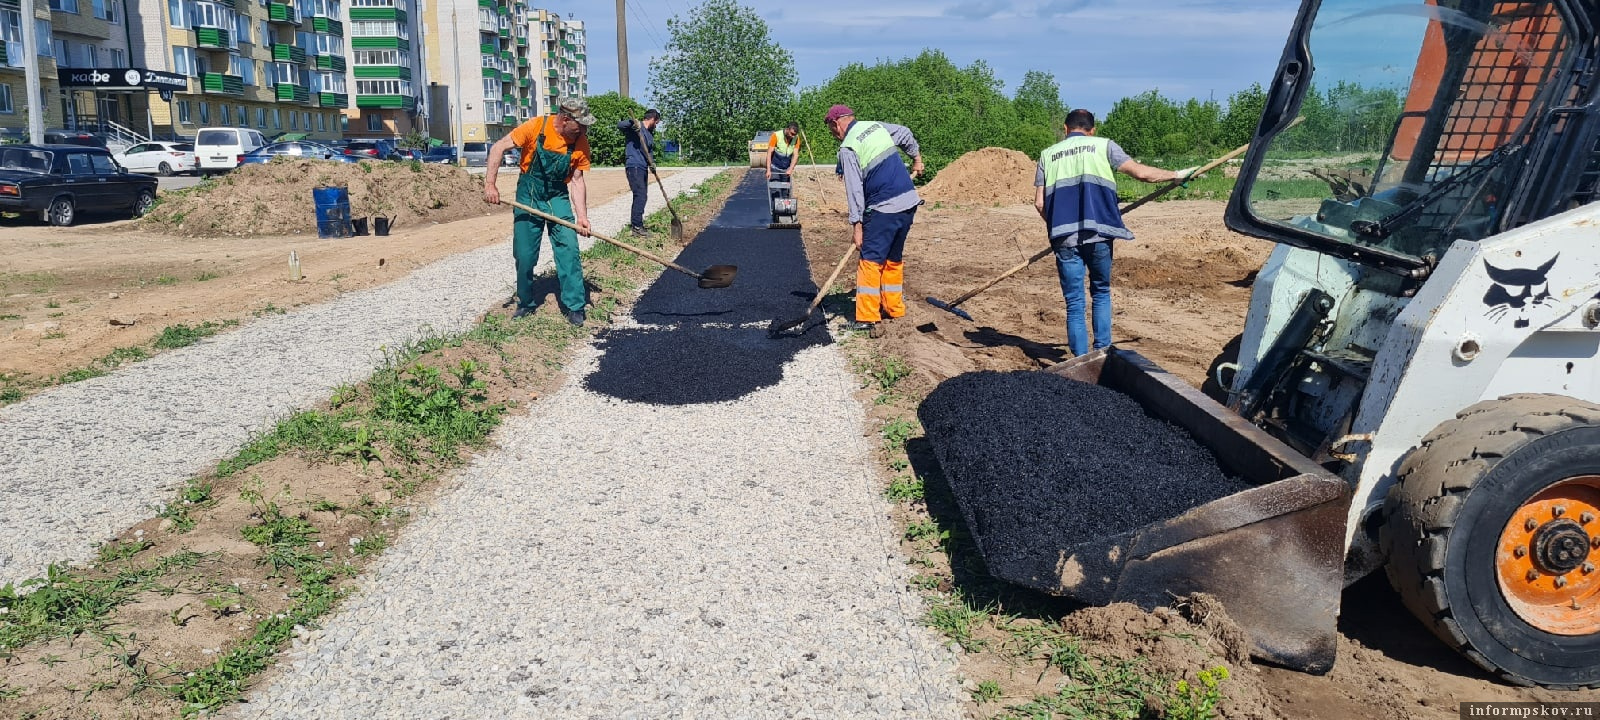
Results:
[544, 188]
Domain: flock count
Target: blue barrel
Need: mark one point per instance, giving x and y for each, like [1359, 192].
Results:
[333, 212]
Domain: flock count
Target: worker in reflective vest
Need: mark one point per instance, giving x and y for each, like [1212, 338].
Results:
[882, 203]
[780, 151]
[1076, 194]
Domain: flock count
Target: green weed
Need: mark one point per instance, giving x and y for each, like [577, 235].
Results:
[951, 615]
[121, 355]
[114, 551]
[10, 316]
[904, 488]
[78, 375]
[207, 275]
[165, 280]
[896, 432]
[52, 304]
[1197, 701]
[268, 309]
[181, 335]
[988, 691]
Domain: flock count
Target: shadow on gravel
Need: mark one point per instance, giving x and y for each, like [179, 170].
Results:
[692, 352]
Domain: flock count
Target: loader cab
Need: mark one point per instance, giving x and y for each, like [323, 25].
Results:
[1423, 123]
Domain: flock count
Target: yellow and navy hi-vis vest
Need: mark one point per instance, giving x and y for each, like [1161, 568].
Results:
[1080, 188]
[781, 144]
[883, 174]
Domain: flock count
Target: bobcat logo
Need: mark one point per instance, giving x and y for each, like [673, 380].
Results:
[1518, 289]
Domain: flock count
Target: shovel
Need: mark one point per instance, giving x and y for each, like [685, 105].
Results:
[953, 307]
[716, 276]
[778, 326]
[677, 225]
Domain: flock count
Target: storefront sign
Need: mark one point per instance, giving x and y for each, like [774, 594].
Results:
[122, 79]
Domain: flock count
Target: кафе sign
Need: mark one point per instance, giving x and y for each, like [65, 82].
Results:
[123, 79]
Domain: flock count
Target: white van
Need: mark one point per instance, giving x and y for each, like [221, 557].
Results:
[219, 149]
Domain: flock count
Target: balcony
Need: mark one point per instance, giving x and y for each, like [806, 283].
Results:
[490, 73]
[289, 92]
[382, 72]
[288, 53]
[508, 120]
[212, 38]
[222, 84]
[328, 26]
[378, 13]
[505, 32]
[522, 41]
[328, 62]
[283, 13]
[522, 62]
[550, 72]
[508, 99]
[386, 102]
[487, 48]
[333, 100]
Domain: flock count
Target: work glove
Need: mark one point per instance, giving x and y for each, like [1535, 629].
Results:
[1187, 174]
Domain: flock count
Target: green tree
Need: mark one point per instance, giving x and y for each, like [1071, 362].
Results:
[1038, 100]
[1238, 125]
[721, 79]
[605, 140]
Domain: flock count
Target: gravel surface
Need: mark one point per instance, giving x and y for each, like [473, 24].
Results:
[82, 462]
[1039, 463]
[613, 559]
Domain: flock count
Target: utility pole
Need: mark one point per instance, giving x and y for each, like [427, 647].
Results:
[622, 48]
[458, 131]
[30, 63]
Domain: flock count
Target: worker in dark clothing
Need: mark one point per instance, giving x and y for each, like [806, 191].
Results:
[636, 164]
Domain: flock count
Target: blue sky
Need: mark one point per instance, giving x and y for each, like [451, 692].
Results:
[1099, 51]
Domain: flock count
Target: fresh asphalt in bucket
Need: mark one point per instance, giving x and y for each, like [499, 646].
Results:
[1040, 463]
[698, 346]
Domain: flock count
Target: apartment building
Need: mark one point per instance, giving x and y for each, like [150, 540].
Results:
[387, 69]
[562, 56]
[481, 68]
[71, 35]
[278, 67]
[13, 82]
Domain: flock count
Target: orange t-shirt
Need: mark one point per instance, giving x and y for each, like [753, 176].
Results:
[527, 132]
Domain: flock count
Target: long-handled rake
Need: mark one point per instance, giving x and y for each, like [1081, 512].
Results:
[777, 328]
[716, 276]
[953, 307]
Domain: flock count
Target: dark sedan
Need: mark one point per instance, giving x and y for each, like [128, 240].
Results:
[441, 154]
[57, 182]
[297, 148]
[370, 150]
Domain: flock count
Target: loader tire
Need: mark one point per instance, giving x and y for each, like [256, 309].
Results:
[1492, 534]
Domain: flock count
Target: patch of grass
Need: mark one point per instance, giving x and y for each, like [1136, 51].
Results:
[896, 432]
[181, 335]
[52, 304]
[988, 691]
[207, 275]
[10, 394]
[66, 604]
[951, 615]
[78, 375]
[195, 495]
[10, 316]
[268, 309]
[114, 551]
[165, 280]
[904, 488]
[123, 355]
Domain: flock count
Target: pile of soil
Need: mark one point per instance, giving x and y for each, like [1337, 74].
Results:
[1194, 634]
[1040, 463]
[987, 177]
[275, 198]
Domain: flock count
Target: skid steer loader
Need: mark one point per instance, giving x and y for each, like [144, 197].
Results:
[1417, 386]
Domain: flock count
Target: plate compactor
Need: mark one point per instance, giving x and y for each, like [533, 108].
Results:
[785, 208]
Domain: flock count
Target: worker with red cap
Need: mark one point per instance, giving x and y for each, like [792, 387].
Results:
[882, 202]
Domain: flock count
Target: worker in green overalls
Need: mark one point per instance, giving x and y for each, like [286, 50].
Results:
[555, 155]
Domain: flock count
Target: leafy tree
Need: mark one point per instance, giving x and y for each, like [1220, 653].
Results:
[605, 140]
[1038, 100]
[1238, 125]
[721, 79]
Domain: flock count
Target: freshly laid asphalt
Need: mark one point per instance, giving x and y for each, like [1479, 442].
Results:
[694, 345]
[1039, 463]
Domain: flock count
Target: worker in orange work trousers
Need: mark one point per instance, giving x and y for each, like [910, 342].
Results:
[882, 204]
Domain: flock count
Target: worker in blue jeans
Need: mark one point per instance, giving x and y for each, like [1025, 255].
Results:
[1076, 194]
[555, 156]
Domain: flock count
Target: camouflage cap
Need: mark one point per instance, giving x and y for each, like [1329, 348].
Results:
[577, 109]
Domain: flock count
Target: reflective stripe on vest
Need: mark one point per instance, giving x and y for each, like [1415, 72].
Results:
[883, 174]
[1080, 188]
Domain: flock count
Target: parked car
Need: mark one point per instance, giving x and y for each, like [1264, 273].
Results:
[60, 181]
[297, 148]
[160, 157]
[220, 149]
[441, 154]
[371, 150]
[475, 154]
[407, 154]
[73, 137]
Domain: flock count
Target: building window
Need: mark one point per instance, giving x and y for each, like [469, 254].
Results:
[105, 9]
[5, 100]
[332, 82]
[183, 61]
[381, 57]
[322, 122]
[118, 58]
[11, 34]
[261, 118]
[383, 87]
[294, 119]
[205, 113]
[70, 6]
[277, 119]
[178, 14]
[63, 52]
[242, 115]
[378, 28]
[244, 68]
[222, 114]
[374, 122]
[241, 27]
[91, 55]
[183, 112]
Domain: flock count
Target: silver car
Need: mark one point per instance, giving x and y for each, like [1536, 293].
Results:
[475, 154]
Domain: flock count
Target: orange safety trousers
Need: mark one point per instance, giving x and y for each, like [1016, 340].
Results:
[880, 274]
[879, 290]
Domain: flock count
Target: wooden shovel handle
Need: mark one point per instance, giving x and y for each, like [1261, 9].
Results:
[821, 291]
[1019, 267]
[637, 251]
[638, 129]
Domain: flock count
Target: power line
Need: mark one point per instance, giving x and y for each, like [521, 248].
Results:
[643, 18]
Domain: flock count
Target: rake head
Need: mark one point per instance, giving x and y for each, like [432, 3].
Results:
[947, 307]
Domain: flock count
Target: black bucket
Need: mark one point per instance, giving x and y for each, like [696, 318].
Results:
[360, 226]
[380, 225]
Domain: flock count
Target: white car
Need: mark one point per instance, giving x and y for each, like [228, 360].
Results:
[219, 149]
[159, 158]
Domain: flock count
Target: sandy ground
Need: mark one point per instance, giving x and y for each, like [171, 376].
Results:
[1180, 293]
[70, 295]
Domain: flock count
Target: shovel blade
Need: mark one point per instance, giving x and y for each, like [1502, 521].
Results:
[778, 327]
[718, 276]
[677, 229]
[947, 307]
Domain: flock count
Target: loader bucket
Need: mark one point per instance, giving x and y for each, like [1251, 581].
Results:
[1272, 554]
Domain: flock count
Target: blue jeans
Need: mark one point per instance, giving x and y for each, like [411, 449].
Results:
[1071, 263]
[639, 185]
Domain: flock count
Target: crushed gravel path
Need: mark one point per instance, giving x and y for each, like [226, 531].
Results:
[81, 462]
[719, 556]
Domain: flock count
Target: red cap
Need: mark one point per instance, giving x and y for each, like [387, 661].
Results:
[839, 111]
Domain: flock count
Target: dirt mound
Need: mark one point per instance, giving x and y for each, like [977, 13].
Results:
[1195, 634]
[984, 177]
[275, 198]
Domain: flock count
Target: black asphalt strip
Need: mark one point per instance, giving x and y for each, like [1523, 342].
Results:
[1039, 463]
[690, 354]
